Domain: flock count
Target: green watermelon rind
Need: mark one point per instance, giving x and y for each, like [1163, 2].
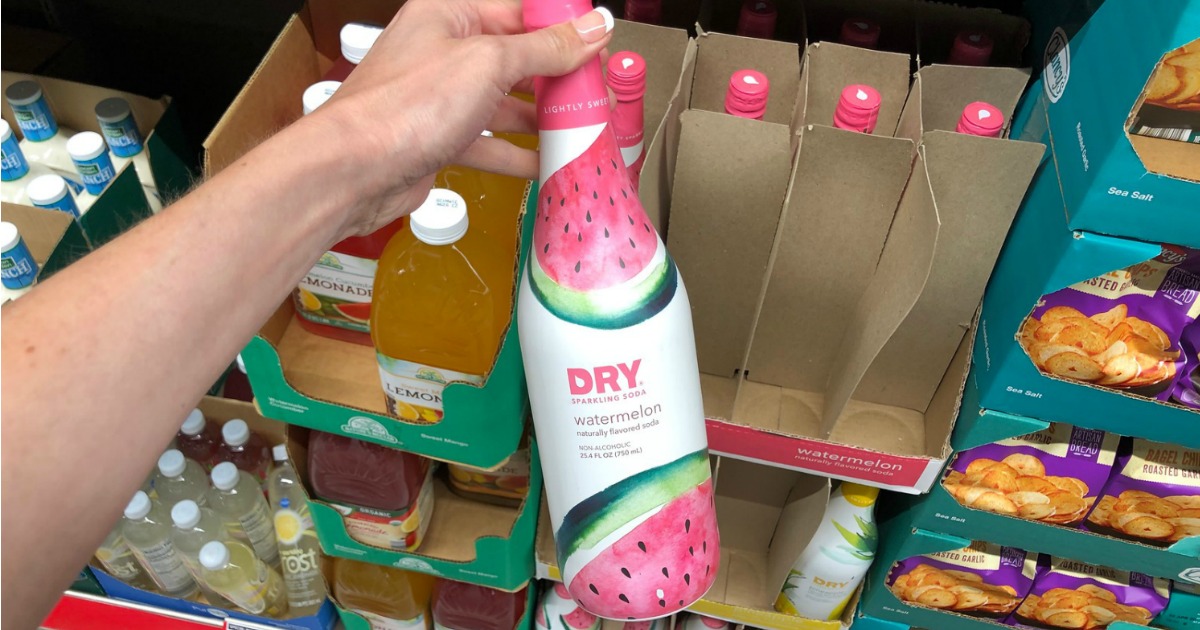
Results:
[650, 296]
[599, 515]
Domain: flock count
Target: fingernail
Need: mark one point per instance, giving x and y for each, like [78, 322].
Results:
[593, 26]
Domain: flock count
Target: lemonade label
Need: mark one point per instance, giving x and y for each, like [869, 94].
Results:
[337, 292]
[414, 391]
[510, 480]
[379, 622]
[396, 530]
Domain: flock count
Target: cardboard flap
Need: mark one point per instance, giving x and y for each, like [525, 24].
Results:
[831, 67]
[798, 521]
[730, 183]
[900, 278]
[750, 499]
[844, 193]
[938, 23]
[74, 104]
[40, 229]
[269, 101]
[948, 399]
[719, 56]
[977, 186]
[940, 93]
[896, 19]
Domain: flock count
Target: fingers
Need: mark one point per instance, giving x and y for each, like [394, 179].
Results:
[499, 156]
[515, 116]
[556, 50]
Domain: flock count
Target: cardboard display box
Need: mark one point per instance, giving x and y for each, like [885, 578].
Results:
[352, 621]
[221, 410]
[766, 515]
[1116, 182]
[54, 238]
[123, 204]
[828, 362]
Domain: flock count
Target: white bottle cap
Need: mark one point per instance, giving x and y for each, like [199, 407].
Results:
[235, 432]
[225, 476]
[241, 364]
[442, 219]
[46, 189]
[5, 130]
[357, 39]
[194, 424]
[139, 506]
[172, 463]
[279, 452]
[214, 555]
[317, 93]
[9, 235]
[86, 145]
[185, 514]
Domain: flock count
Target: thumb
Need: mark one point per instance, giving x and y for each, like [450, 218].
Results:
[558, 50]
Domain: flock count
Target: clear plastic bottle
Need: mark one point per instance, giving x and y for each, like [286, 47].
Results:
[356, 39]
[118, 560]
[453, 273]
[121, 132]
[52, 193]
[858, 109]
[238, 499]
[147, 531]
[299, 551]
[245, 448]
[199, 439]
[389, 598]
[45, 140]
[180, 478]
[17, 171]
[860, 32]
[232, 570]
[194, 527]
[18, 269]
[93, 164]
[747, 94]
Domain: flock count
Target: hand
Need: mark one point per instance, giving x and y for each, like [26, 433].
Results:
[438, 76]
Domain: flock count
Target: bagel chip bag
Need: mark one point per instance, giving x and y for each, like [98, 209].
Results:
[1052, 476]
[1073, 594]
[1183, 610]
[982, 580]
[1153, 496]
[1186, 391]
[1120, 330]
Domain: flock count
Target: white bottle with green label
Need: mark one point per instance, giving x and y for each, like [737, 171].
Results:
[238, 498]
[829, 570]
[147, 531]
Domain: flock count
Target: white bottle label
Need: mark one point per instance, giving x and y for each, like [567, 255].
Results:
[379, 622]
[412, 385]
[118, 560]
[256, 528]
[165, 565]
[338, 280]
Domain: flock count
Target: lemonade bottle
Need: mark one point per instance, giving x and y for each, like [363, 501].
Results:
[238, 498]
[147, 530]
[438, 314]
[506, 485]
[232, 570]
[116, 557]
[196, 526]
[299, 551]
[179, 478]
[389, 598]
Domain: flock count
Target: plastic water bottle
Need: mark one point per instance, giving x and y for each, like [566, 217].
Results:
[245, 449]
[45, 141]
[52, 193]
[125, 140]
[299, 551]
[18, 269]
[199, 439]
[17, 171]
[194, 527]
[232, 570]
[147, 530]
[93, 164]
[238, 498]
[116, 558]
[180, 478]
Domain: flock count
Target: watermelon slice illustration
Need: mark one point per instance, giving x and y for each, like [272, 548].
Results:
[646, 545]
[355, 311]
[598, 261]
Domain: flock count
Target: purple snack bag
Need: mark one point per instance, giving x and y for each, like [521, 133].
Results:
[1153, 496]
[1186, 390]
[1074, 594]
[1122, 329]
[1052, 476]
[982, 580]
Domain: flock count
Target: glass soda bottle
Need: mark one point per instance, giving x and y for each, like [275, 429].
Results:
[858, 109]
[747, 94]
[627, 80]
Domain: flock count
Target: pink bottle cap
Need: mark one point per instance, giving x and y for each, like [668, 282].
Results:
[981, 119]
[627, 75]
[858, 108]
[971, 48]
[861, 33]
[747, 95]
[644, 11]
[758, 19]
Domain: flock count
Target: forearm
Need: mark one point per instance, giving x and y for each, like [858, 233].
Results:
[114, 350]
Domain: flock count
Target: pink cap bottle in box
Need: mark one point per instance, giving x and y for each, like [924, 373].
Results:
[971, 48]
[747, 94]
[981, 119]
[757, 19]
[858, 108]
[861, 33]
[644, 11]
[627, 80]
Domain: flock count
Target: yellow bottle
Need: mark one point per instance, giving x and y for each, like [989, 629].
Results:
[441, 302]
[494, 204]
[388, 598]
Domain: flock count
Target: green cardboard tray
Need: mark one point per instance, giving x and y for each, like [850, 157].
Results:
[352, 621]
[505, 563]
[482, 426]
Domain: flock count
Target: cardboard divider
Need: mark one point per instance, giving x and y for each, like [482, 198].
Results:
[718, 56]
[829, 67]
[53, 238]
[662, 150]
[721, 16]
[939, 94]
[896, 19]
[938, 23]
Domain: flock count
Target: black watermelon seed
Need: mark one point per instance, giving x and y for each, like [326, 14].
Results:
[580, 239]
[595, 195]
[566, 228]
[576, 186]
[707, 568]
[687, 578]
[662, 603]
[546, 249]
[626, 572]
[576, 266]
[605, 232]
[593, 587]
[623, 598]
[629, 618]
[647, 226]
[632, 244]
[623, 193]
[547, 199]
[614, 163]
[547, 217]
[704, 546]
[691, 551]
[681, 602]
[642, 546]
[563, 201]
[621, 261]
[589, 216]
[598, 171]
[630, 219]
[665, 574]
[687, 525]
[611, 201]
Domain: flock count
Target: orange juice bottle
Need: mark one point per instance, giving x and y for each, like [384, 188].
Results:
[442, 296]
[389, 598]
